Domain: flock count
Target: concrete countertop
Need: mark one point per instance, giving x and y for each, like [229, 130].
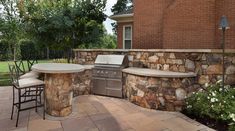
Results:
[157, 73]
[88, 67]
[57, 68]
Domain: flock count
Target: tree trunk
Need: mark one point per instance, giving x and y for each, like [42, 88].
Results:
[68, 56]
[48, 53]
[14, 53]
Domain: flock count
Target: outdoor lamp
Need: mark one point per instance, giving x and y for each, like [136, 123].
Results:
[224, 23]
[223, 26]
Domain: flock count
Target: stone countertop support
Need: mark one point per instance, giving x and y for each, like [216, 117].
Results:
[58, 86]
[156, 89]
[58, 94]
[160, 93]
[82, 81]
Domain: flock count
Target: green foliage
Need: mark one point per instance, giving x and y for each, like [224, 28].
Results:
[64, 24]
[121, 5]
[51, 25]
[10, 25]
[107, 41]
[59, 60]
[4, 50]
[28, 49]
[216, 102]
[231, 127]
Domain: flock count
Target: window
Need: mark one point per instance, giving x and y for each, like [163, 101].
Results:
[127, 37]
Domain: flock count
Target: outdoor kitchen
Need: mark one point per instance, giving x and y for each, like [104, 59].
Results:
[156, 79]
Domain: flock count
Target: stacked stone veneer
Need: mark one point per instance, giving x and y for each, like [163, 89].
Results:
[158, 93]
[82, 83]
[167, 93]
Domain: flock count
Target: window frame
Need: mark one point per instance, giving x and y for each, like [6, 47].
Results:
[124, 38]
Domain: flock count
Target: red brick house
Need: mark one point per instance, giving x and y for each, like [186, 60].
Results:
[175, 24]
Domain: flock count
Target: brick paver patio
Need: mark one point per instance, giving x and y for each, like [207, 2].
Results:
[96, 113]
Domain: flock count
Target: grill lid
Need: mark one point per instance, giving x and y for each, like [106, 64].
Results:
[110, 60]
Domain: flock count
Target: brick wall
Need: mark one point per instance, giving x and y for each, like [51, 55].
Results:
[120, 33]
[181, 24]
[148, 23]
[190, 24]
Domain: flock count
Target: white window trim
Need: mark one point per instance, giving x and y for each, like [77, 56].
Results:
[123, 36]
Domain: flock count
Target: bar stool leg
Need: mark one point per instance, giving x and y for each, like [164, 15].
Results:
[19, 106]
[40, 95]
[36, 101]
[44, 103]
[13, 103]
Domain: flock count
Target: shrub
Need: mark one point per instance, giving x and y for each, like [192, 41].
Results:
[60, 60]
[214, 101]
[27, 49]
[4, 47]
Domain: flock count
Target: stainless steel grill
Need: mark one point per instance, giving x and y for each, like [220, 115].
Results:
[107, 75]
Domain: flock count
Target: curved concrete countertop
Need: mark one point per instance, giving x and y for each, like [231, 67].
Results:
[157, 73]
[88, 67]
[57, 68]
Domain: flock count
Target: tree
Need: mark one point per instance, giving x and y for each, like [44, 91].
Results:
[4, 48]
[109, 41]
[120, 6]
[64, 24]
[10, 25]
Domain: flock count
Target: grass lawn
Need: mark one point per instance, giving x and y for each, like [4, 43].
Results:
[4, 71]
[4, 65]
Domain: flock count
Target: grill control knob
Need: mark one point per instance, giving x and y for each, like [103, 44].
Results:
[106, 72]
[114, 73]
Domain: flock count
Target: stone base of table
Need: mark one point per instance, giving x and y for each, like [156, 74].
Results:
[59, 94]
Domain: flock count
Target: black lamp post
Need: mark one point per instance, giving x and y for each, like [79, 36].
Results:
[223, 26]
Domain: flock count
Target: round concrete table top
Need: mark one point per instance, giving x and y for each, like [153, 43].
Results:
[57, 68]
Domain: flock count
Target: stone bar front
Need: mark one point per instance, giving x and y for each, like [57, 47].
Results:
[154, 89]
[58, 94]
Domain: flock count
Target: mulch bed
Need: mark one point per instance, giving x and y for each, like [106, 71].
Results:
[212, 123]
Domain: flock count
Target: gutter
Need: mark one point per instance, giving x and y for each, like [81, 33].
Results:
[114, 17]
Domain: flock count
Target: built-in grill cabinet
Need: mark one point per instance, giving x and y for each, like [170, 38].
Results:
[107, 75]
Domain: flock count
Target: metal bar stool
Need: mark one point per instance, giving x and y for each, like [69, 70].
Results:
[23, 72]
[29, 88]
[30, 63]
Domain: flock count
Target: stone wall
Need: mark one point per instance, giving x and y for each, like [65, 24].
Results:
[82, 83]
[163, 93]
[207, 64]
[158, 93]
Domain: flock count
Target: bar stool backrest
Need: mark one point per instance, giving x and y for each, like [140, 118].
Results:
[31, 63]
[14, 74]
[20, 67]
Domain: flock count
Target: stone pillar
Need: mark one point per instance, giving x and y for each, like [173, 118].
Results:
[59, 94]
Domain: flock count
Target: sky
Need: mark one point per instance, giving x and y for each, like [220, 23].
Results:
[108, 12]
